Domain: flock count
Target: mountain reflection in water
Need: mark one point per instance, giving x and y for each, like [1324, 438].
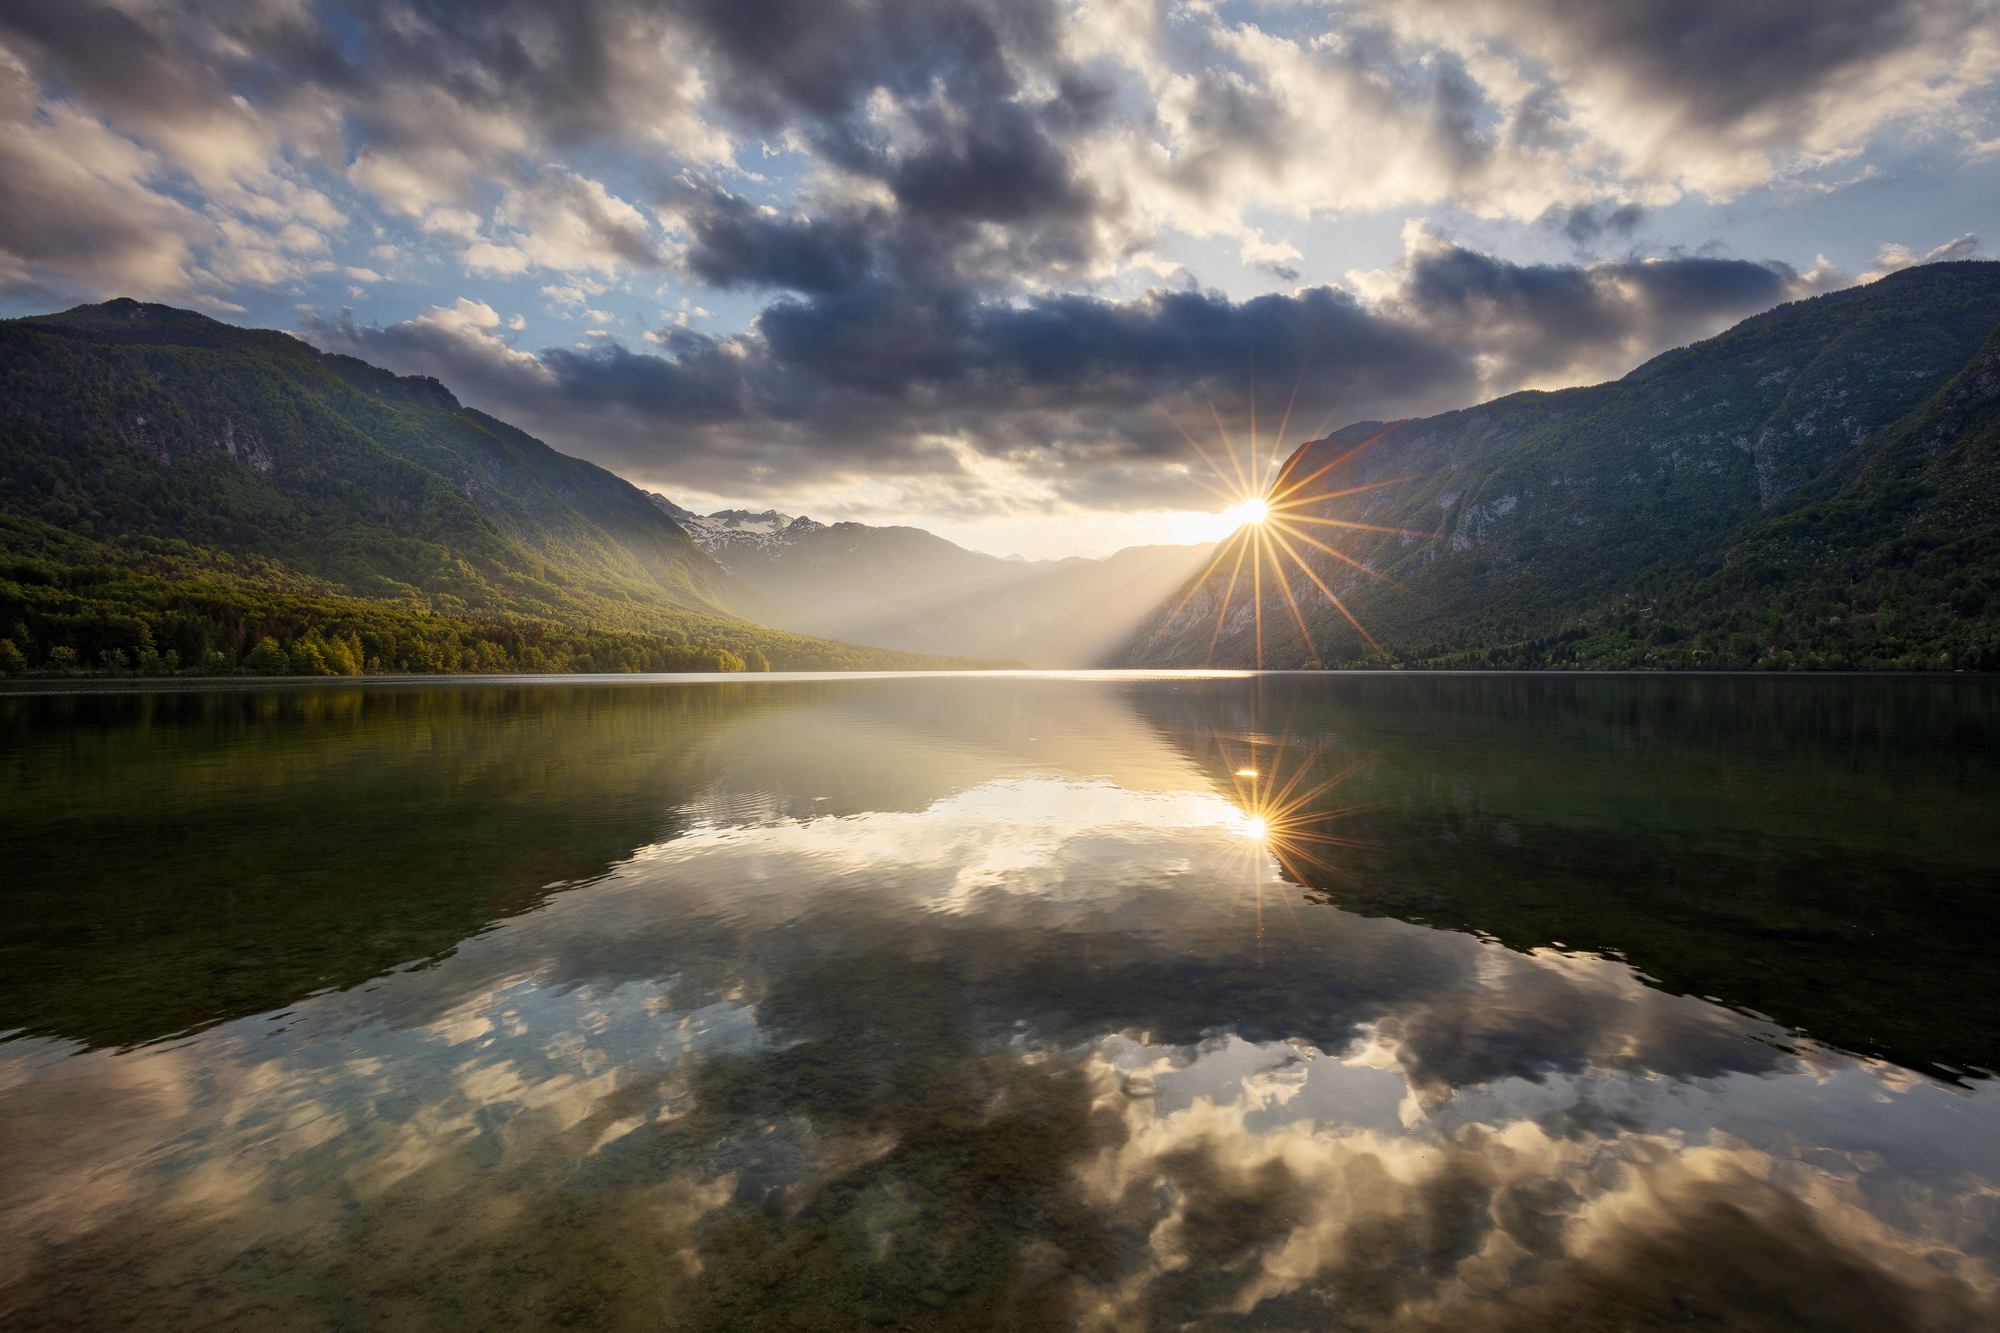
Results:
[966, 1002]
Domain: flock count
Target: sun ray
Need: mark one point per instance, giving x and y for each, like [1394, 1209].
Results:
[1293, 602]
[1300, 485]
[1257, 591]
[1255, 468]
[1199, 450]
[1363, 527]
[1341, 555]
[1288, 502]
[1341, 606]
[1268, 499]
[1290, 403]
[1282, 816]
[1242, 480]
[1221, 551]
[1223, 614]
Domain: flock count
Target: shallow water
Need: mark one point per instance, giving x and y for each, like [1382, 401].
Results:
[1293, 1002]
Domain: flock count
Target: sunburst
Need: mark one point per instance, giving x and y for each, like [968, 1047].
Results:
[1275, 523]
[1280, 815]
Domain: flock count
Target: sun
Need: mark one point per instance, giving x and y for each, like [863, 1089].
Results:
[1250, 511]
[1268, 530]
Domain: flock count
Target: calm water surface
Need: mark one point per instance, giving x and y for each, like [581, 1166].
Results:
[1294, 1002]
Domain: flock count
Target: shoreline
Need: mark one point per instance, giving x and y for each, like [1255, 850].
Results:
[48, 686]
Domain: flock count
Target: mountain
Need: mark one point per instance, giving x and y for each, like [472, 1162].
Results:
[1813, 488]
[910, 589]
[130, 418]
[158, 444]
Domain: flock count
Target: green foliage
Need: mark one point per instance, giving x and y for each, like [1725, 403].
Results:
[129, 420]
[169, 483]
[268, 659]
[142, 612]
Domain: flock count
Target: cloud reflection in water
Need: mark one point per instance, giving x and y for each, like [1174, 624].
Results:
[1007, 1049]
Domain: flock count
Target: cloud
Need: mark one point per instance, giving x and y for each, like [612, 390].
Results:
[137, 166]
[77, 203]
[1552, 325]
[956, 204]
[1066, 399]
[949, 144]
[565, 222]
[1583, 226]
[1713, 96]
[1894, 255]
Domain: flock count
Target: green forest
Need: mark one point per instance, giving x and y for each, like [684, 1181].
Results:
[1856, 583]
[180, 496]
[151, 607]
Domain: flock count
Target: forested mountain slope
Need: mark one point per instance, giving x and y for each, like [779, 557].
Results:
[128, 418]
[1811, 488]
[906, 588]
[166, 477]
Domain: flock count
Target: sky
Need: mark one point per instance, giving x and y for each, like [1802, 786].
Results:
[1012, 272]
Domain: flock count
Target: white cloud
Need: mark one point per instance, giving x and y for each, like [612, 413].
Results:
[1894, 255]
[81, 203]
[499, 260]
[463, 314]
[570, 223]
[575, 292]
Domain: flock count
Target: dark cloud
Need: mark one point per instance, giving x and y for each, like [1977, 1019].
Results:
[821, 61]
[173, 66]
[869, 377]
[1722, 62]
[973, 173]
[732, 243]
[981, 187]
[1011, 155]
[1569, 322]
[1584, 225]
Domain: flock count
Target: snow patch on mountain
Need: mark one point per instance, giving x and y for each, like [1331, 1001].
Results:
[736, 533]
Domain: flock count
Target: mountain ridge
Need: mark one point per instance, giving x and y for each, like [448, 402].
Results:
[908, 588]
[1631, 523]
[176, 451]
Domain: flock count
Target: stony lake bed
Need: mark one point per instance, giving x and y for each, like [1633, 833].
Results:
[1018, 1001]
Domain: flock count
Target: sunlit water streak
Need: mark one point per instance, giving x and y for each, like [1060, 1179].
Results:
[984, 1004]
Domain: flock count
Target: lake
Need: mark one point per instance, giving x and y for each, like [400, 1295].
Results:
[1323, 1001]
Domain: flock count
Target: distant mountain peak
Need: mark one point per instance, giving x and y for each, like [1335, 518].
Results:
[743, 520]
[143, 312]
[122, 313]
